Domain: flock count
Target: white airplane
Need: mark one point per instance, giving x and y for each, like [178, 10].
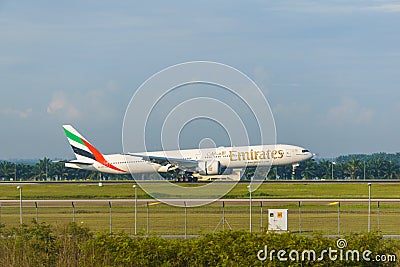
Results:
[189, 164]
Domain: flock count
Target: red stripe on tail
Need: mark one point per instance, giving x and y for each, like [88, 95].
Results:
[99, 157]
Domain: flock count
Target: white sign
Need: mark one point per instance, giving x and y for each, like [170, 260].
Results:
[277, 219]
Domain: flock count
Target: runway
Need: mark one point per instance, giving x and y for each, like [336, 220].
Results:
[375, 181]
[95, 202]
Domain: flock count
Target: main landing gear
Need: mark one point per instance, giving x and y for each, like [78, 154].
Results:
[294, 166]
[186, 178]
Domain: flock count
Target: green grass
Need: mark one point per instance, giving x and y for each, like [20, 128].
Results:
[266, 190]
[167, 220]
[315, 190]
[69, 191]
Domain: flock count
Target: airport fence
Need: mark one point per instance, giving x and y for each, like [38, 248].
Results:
[150, 217]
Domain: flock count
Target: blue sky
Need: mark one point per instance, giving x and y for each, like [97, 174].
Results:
[329, 69]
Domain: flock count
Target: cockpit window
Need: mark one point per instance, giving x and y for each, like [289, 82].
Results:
[305, 151]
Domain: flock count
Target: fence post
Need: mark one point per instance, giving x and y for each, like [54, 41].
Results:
[369, 207]
[250, 208]
[261, 216]
[20, 204]
[379, 218]
[36, 205]
[300, 217]
[223, 219]
[223, 215]
[147, 218]
[135, 187]
[338, 222]
[73, 212]
[184, 203]
[109, 203]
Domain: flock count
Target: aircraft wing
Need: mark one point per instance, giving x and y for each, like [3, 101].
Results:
[182, 164]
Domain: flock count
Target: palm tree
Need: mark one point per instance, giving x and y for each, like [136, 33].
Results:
[325, 169]
[307, 170]
[59, 170]
[7, 170]
[369, 169]
[42, 169]
[377, 167]
[25, 171]
[272, 174]
[285, 172]
[353, 168]
[392, 170]
[339, 170]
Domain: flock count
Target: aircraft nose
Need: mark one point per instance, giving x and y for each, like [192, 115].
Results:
[309, 155]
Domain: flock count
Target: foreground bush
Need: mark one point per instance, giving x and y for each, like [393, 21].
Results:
[72, 245]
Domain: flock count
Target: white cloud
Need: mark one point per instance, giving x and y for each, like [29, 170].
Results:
[349, 112]
[385, 8]
[84, 104]
[23, 114]
[61, 106]
[291, 109]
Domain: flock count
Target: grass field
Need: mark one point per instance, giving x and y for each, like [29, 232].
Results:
[161, 219]
[266, 190]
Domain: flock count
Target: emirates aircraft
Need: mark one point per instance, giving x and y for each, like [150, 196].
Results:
[222, 163]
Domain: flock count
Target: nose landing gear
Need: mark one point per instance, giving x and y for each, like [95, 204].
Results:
[294, 166]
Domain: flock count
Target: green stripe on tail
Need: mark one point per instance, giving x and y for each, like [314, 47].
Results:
[73, 137]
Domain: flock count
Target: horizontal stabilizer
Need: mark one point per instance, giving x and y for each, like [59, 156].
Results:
[74, 162]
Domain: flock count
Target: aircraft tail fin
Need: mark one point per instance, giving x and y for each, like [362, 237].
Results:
[82, 148]
[86, 153]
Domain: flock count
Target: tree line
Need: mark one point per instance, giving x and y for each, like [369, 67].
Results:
[350, 167]
[43, 170]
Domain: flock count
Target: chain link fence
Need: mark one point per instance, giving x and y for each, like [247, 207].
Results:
[155, 218]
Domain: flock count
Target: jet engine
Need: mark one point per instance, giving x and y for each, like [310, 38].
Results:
[210, 168]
